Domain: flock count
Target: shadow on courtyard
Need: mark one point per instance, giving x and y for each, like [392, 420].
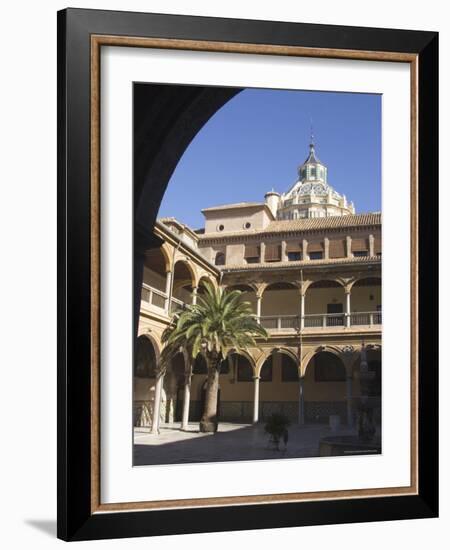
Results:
[231, 442]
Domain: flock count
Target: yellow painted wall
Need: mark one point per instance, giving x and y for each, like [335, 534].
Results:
[280, 302]
[316, 299]
[360, 298]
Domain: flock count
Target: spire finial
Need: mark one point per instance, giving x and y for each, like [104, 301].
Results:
[311, 141]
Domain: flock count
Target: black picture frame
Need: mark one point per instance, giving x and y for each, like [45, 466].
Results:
[76, 521]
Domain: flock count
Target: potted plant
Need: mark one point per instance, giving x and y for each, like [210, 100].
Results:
[277, 427]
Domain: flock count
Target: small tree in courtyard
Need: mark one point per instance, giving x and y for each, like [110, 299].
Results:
[219, 322]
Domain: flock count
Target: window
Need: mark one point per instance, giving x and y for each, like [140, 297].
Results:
[272, 253]
[315, 255]
[220, 258]
[289, 371]
[247, 225]
[360, 247]
[252, 253]
[221, 227]
[294, 256]
[337, 248]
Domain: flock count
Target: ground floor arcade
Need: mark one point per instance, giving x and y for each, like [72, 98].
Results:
[307, 382]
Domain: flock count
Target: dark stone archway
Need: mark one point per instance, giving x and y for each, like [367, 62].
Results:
[166, 118]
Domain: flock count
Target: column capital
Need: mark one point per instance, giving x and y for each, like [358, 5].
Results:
[256, 377]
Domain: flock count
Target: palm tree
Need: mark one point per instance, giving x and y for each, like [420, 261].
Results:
[218, 323]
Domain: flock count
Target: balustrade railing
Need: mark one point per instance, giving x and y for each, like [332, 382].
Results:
[280, 322]
[159, 299]
[320, 320]
[365, 318]
[324, 320]
[176, 305]
[153, 296]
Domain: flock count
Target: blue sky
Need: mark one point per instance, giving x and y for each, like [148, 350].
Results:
[256, 141]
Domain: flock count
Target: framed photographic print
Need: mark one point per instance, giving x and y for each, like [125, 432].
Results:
[247, 274]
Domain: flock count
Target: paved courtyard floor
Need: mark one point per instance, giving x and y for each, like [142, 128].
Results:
[231, 442]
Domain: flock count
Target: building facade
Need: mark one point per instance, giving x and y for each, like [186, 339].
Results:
[311, 268]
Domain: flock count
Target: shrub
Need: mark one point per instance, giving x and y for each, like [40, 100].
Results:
[277, 428]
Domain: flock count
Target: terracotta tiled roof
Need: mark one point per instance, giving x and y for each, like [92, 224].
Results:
[332, 222]
[303, 263]
[307, 224]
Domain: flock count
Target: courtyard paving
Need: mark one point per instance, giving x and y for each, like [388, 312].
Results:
[231, 442]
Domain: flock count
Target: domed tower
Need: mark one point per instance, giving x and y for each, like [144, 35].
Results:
[311, 196]
[312, 169]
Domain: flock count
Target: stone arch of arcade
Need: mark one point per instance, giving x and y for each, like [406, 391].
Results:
[325, 387]
[325, 303]
[156, 277]
[183, 284]
[277, 385]
[366, 300]
[145, 370]
[166, 119]
[280, 305]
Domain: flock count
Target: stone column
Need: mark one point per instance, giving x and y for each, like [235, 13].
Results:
[364, 365]
[326, 248]
[194, 295]
[284, 256]
[168, 290]
[262, 252]
[305, 249]
[157, 404]
[301, 400]
[258, 306]
[348, 240]
[363, 374]
[302, 309]
[371, 246]
[347, 307]
[349, 387]
[255, 399]
[186, 402]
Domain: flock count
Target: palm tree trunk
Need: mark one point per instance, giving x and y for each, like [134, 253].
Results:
[209, 422]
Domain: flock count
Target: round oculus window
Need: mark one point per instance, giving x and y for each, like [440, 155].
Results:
[247, 225]
[221, 227]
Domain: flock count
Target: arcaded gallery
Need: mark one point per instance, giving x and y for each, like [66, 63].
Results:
[311, 268]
